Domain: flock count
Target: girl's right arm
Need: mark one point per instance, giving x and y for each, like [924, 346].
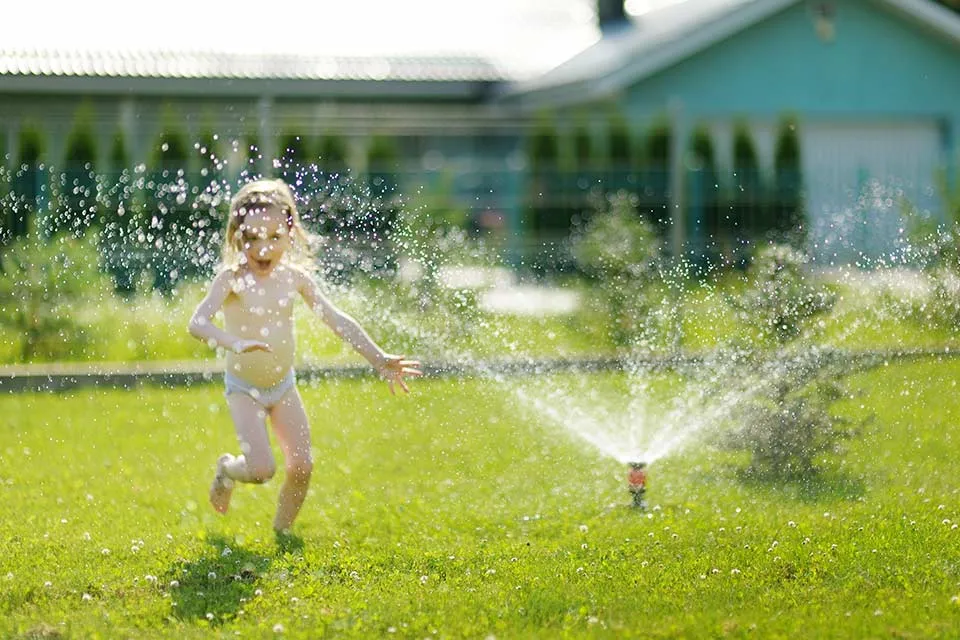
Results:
[201, 324]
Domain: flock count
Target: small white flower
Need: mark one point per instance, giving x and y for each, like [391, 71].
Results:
[583, 528]
[86, 597]
[278, 628]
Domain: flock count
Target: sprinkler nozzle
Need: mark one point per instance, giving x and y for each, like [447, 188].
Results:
[637, 483]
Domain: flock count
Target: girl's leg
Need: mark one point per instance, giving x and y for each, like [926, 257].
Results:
[293, 432]
[256, 463]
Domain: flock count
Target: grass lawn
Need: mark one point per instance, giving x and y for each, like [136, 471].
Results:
[453, 513]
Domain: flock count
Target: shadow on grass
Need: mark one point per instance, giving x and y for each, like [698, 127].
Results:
[825, 485]
[215, 587]
[288, 543]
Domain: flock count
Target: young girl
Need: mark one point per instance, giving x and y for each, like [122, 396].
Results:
[267, 263]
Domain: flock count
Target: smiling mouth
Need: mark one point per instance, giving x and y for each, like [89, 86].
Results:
[263, 264]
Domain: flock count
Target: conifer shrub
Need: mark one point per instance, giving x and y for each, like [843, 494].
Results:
[788, 215]
[747, 200]
[708, 226]
[655, 193]
[77, 207]
[169, 231]
[29, 177]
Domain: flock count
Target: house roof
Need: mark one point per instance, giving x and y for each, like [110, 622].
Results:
[212, 65]
[664, 37]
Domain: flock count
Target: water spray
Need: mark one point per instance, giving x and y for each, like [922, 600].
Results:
[637, 484]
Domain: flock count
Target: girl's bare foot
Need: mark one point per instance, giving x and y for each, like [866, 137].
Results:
[222, 487]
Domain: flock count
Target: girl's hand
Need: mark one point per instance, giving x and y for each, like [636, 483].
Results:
[395, 368]
[246, 346]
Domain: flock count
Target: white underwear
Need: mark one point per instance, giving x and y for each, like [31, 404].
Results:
[267, 397]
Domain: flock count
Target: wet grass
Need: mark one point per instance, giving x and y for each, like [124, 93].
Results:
[153, 328]
[451, 513]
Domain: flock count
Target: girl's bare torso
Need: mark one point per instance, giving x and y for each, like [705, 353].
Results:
[262, 309]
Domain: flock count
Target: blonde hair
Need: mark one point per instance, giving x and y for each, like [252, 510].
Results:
[275, 193]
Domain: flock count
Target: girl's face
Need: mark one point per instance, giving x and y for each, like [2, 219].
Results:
[264, 237]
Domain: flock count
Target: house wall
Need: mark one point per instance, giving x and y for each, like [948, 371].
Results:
[880, 76]
[878, 65]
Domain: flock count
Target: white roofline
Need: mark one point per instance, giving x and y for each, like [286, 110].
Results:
[931, 14]
[690, 44]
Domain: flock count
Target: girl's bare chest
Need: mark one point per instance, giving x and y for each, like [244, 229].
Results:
[261, 302]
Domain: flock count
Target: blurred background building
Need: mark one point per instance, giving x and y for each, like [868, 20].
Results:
[729, 120]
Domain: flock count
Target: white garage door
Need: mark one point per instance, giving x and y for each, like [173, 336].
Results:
[859, 180]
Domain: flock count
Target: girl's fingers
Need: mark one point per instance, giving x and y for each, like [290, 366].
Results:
[411, 372]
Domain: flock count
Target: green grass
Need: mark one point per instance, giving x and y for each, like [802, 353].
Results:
[452, 513]
[154, 328]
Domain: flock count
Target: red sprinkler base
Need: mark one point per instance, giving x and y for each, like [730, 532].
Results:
[637, 483]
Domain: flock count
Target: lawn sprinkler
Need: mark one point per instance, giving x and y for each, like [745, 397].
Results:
[637, 483]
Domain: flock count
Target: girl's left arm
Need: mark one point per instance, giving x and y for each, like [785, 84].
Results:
[341, 323]
[393, 368]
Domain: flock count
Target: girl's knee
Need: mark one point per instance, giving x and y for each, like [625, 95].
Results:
[300, 469]
[261, 470]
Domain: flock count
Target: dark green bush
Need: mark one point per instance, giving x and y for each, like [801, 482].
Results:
[788, 215]
[655, 192]
[170, 230]
[41, 283]
[709, 230]
[332, 154]
[785, 417]
[76, 206]
[29, 178]
[747, 202]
